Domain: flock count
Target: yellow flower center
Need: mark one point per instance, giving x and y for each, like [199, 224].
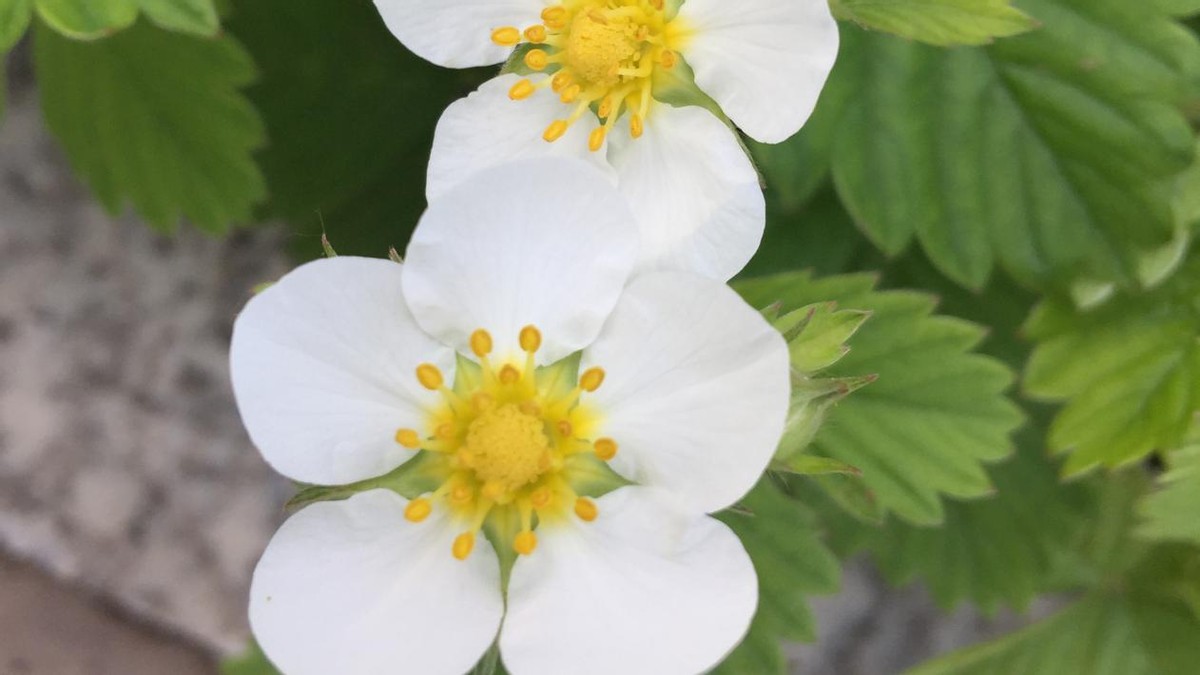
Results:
[601, 53]
[509, 443]
[507, 449]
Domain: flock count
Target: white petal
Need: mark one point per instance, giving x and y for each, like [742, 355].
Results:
[763, 61]
[487, 129]
[324, 363]
[353, 587]
[694, 191]
[645, 589]
[696, 391]
[546, 242]
[457, 33]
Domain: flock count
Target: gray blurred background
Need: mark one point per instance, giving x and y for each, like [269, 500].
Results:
[132, 505]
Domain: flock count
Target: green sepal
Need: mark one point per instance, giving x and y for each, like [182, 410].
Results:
[813, 465]
[590, 476]
[560, 377]
[677, 86]
[417, 476]
[817, 334]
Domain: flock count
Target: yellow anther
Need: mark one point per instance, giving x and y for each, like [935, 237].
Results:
[530, 408]
[605, 108]
[525, 543]
[520, 91]
[430, 377]
[570, 93]
[560, 81]
[481, 340]
[418, 510]
[482, 401]
[596, 138]
[586, 509]
[536, 34]
[606, 448]
[668, 59]
[530, 339]
[598, 16]
[554, 14]
[537, 59]
[461, 494]
[564, 428]
[463, 545]
[555, 131]
[657, 4]
[493, 490]
[509, 374]
[591, 379]
[540, 498]
[508, 36]
[408, 438]
[636, 126]
[445, 430]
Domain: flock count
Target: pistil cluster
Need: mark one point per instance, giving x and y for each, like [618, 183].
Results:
[509, 439]
[601, 54]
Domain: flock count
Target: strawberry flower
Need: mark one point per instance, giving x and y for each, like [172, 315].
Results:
[533, 434]
[632, 87]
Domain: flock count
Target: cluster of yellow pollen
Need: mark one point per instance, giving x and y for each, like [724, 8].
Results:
[602, 53]
[506, 438]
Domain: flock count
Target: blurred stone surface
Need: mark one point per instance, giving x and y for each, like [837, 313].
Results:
[124, 470]
[123, 466]
[52, 630]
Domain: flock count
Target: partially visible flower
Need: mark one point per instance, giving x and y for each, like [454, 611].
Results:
[514, 371]
[600, 71]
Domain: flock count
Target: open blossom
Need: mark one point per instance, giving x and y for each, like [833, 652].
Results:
[558, 427]
[599, 71]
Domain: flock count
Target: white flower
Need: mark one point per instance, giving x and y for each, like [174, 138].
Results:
[600, 66]
[510, 362]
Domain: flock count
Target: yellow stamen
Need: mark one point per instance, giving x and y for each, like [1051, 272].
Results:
[592, 379]
[596, 138]
[509, 374]
[570, 93]
[554, 14]
[430, 377]
[408, 438]
[463, 545]
[418, 510]
[668, 59]
[536, 34]
[636, 126]
[586, 509]
[530, 339]
[461, 494]
[507, 36]
[560, 81]
[537, 59]
[525, 543]
[540, 498]
[564, 428]
[555, 131]
[522, 90]
[605, 448]
[481, 343]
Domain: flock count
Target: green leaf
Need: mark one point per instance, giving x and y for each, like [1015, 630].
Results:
[87, 19]
[14, 19]
[92, 19]
[994, 552]
[157, 119]
[1129, 372]
[1139, 614]
[1054, 154]
[1093, 637]
[792, 563]
[937, 411]
[253, 662]
[353, 112]
[1173, 512]
[1179, 7]
[937, 22]
[188, 16]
